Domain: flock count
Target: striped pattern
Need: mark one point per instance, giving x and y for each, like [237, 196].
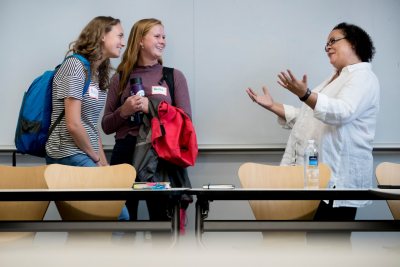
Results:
[68, 82]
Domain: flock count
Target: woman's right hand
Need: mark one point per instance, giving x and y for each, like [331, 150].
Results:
[265, 100]
[132, 105]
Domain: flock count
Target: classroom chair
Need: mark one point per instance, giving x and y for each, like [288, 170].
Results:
[72, 177]
[253, 175]
[388, 173]
[21, 178]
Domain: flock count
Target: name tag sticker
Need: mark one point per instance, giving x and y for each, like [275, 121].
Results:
[158, 90]
[93, 92]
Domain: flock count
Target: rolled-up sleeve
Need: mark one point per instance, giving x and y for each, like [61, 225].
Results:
[291, 114]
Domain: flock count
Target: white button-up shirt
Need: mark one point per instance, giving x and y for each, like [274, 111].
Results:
[343, 124]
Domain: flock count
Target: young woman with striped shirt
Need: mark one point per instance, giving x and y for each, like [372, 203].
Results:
[76, 140]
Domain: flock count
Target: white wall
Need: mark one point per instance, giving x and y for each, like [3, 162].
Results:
[221, 46]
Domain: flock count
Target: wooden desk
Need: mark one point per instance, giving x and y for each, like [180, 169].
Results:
[204, 196]
[92, 194]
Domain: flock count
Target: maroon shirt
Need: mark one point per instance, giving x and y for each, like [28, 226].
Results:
[112, 121]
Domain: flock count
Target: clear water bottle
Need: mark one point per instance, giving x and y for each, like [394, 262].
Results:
[311, 169]
[136, 89]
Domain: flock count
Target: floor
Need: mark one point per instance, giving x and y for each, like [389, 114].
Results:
[216, 249]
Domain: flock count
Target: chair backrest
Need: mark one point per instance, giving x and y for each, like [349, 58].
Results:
[21, 178]
[73, 177]
[388, 173]
[253, 175]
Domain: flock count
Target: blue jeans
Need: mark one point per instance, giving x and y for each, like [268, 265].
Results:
[74, 160]
[124, 215]
[84, 161]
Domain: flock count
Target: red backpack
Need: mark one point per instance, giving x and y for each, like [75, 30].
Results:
[173, 136]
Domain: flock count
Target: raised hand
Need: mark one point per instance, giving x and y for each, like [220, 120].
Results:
[264, 100]
[289, 81]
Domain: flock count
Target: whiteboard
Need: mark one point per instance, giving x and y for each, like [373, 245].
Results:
[222, 47]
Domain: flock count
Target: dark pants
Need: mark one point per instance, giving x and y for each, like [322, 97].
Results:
[326, 212]
[123, 153]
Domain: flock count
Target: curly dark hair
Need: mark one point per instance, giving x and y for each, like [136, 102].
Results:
[359, 39]
[89, 43]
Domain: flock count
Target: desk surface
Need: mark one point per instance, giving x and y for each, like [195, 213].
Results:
[296, 194]
[203, 196]
[209, 194]
[85, 194]
[206, 195]
[99, 194]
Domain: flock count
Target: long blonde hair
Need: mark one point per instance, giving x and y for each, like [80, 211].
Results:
[89, 45]
[131, 55]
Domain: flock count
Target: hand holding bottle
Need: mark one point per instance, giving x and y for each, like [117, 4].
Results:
[132, 105]
[137, 90]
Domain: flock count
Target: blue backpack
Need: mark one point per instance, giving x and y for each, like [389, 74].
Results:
[33, 126]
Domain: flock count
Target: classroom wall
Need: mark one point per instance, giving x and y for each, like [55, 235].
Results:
[222, 47]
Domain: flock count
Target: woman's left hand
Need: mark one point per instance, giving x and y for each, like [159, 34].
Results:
[288, 81]
[102, 163]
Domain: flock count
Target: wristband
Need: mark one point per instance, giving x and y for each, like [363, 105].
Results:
[305, 97]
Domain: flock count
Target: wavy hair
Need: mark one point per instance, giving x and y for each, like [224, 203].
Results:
[131, 55]
[89, 45]
[359, 39]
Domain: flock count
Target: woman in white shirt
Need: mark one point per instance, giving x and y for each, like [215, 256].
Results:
[340, 114]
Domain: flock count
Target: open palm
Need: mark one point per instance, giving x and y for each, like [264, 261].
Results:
[264, 99]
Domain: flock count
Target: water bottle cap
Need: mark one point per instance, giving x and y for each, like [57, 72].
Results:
[136, 80]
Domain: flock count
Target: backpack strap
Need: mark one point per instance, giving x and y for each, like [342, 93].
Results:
[86, 66]
[168, 77]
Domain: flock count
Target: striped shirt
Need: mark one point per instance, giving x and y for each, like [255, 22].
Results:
[69, 82]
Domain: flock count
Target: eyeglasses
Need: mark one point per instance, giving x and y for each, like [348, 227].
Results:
[332, 42]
